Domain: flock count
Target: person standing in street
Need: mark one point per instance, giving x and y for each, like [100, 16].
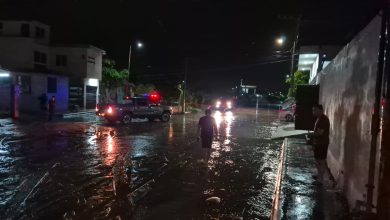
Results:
[52, 107]
[320, 141]
[207, 127]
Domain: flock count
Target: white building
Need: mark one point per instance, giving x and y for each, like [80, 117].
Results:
[247, 89]
[316, 58]
[32, 85]
[25, 47]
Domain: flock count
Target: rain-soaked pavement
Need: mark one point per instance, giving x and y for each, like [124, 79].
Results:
[85, 169]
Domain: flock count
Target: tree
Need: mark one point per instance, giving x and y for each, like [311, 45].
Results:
[298, 78]
[144, 89]
[112, 79]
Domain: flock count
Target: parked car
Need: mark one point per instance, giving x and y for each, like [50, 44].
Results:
[136, 107]
[287, 113]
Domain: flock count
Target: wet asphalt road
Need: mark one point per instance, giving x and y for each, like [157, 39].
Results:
[85, 169]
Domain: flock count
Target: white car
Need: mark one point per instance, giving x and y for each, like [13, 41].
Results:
[287, 114]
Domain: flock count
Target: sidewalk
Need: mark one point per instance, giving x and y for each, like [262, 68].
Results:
[299, 198]
[287, 130]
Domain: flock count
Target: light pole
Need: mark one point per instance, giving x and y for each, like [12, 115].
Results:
[257, 101]
[185, 85]
[139, 45]
[280, 41]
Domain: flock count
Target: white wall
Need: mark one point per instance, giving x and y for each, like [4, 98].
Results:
[30, 102]
[76, 66]
[94, 70]
[13, 29]
[347, 91]
[16, 53]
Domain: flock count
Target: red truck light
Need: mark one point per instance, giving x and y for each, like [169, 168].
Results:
[109, 110]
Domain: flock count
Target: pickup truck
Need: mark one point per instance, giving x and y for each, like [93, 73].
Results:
[136, 107]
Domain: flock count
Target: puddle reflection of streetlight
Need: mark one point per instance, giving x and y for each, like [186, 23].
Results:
[170, 132]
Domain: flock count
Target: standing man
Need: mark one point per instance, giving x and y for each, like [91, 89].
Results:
[52, 107]
[320, 140]
[206, 128]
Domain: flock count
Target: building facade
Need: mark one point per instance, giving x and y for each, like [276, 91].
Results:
[25, 48]
[316, 58]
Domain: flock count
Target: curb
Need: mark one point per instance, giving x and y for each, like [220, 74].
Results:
[275, 212]
[77, 114]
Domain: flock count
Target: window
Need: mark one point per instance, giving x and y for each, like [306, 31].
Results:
[51, 85]
[40, 60]
[25, 84]
[39, 32]
[91, 60]
[141, 102]
[61, 60]
[25, 30]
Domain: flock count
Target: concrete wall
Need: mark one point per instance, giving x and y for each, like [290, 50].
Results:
[13, 29]
[347, 92]
[5, 92]
[28, 102]
[76, 61]
[16, 53]
[94, 70]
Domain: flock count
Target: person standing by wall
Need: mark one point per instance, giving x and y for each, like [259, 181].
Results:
[52, 107]
[320, 141]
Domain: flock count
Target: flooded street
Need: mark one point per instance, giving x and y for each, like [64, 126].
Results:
[85, 169]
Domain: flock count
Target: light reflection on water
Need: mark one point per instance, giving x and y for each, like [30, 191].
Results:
[170, 133]
[223, 144]
[110, 148]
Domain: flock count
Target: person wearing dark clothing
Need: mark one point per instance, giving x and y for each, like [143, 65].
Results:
[206, 128]
[52, 107]
[320, 141]
[42, 101]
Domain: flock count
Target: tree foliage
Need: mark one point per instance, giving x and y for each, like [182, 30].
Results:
[298, 78]
[111, 77]
[144, 88]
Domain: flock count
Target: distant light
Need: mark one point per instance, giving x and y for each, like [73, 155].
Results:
[280, 40]
[4, 74]
[257, 95]
[139, 45]
[93, 82]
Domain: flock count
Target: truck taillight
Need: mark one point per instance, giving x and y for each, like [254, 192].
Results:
[109, 110]
[97, 108]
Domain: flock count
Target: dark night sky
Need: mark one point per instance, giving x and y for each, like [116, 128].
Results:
[224, 39]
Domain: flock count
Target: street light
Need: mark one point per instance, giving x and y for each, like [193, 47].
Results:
[280, 41]
[257, 101]
[139, 45]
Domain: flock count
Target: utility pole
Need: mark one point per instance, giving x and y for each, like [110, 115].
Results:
[293, 52]
[185, 85]
[128, 67]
